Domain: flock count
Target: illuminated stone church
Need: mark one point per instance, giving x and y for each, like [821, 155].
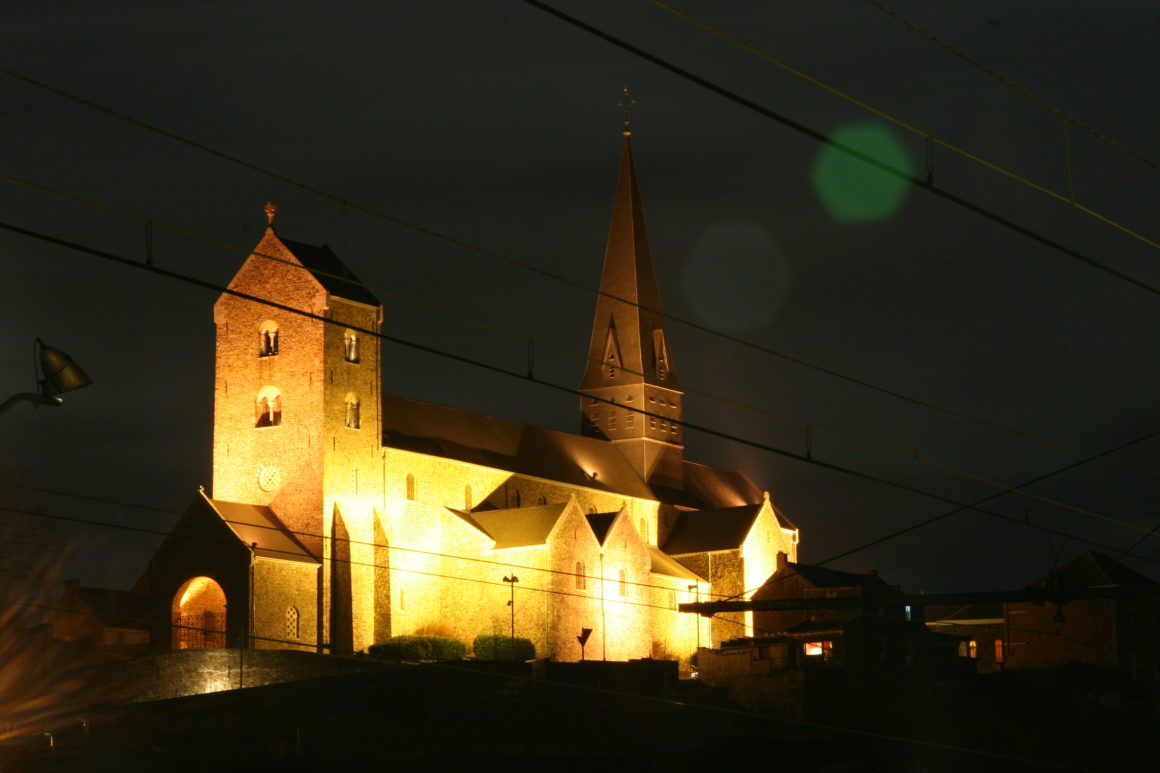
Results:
[340, 516]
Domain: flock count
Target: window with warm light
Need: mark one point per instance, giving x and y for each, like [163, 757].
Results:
[998, 650]
[268, 408]
[815, 649]
[268, 339]
[972, 649]
[353, 418]
[350, 346]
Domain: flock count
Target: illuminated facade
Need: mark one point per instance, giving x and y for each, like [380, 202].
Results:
[340, 516]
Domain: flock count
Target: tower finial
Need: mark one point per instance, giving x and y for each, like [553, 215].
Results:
[625, 103]
[271, 211]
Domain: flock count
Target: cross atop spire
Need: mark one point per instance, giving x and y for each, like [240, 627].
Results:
[626, 102]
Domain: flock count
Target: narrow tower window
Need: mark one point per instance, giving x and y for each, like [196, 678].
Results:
[623, 583]
[268, 339]
[353, 419]
[291, 622]
[269, 408]
[579, 575]
[410, 487]
[350, 343]
[515, 499]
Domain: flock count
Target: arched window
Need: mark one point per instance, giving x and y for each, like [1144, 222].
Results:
[580, 575]
[353, 420]
[623, 590]
[516, 498]
[410, 487]
[350, 346]
[592, 509]
[541, 500]
[467, 497]
[268, 339]
[269, 408]
[291, 622]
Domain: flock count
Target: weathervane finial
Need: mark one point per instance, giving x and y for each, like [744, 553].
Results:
[271, 210]
[625, 103]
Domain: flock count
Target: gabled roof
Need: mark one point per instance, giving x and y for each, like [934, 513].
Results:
[330, 272]
[822, 577]
[260, 530]
[659, 563]
[702, 531]
[517, 527]
[452, 433]
[600, 524]
[1089, 570]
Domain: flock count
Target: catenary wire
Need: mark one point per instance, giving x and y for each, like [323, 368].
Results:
[580, 285]
[1071, 119]
[505, 371]
[809, 426]
[850, 151]
[1066, 199]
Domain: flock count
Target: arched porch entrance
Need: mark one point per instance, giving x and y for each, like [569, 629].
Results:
[199, 615]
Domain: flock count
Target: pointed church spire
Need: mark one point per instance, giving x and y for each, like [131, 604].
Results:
[630, 371]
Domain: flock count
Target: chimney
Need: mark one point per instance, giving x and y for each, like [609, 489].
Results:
[782, 558]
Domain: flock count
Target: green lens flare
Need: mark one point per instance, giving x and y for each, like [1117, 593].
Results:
[854, 191]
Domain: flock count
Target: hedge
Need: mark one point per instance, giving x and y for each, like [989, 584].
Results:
[419, 648]
[494, 647]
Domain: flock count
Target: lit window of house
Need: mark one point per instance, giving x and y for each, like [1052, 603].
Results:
[998, 650]
[816, 649]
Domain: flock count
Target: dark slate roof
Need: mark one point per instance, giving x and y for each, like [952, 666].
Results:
[701, 531]
[516, 527]
[254, 524]
[1089, 570]
[821, 577]
[600, 524]
[334, 275]
[452, 433]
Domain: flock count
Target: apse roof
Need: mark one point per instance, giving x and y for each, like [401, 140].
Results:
[452, 433]
[259, 529]
[334, 275]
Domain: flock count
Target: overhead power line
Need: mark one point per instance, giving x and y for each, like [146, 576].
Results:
[562, 279]
[1067, 117]
[854, 153]
[504, 371]
[811, 428]
[1068, 199]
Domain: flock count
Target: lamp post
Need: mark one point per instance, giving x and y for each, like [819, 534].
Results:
[57, 374]
[512, 603]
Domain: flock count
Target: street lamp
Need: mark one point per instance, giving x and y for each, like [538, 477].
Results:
[512, 603]
[56, 374]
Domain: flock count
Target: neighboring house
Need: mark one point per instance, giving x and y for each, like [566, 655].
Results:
[340, 515]
[114, 621]
[1122, 633]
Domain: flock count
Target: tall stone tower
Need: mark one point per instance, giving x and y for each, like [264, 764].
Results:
[296, 409]
[630, 393]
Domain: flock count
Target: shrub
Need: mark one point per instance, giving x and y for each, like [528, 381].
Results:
[496, 647]
[419, 648]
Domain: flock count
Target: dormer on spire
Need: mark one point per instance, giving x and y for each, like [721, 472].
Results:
[630, 393]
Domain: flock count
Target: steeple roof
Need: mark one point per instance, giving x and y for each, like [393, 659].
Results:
[628, 329]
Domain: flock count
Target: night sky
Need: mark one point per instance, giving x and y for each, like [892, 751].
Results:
[497, 124]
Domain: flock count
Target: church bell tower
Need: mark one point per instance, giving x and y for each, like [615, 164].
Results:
[630, 393]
